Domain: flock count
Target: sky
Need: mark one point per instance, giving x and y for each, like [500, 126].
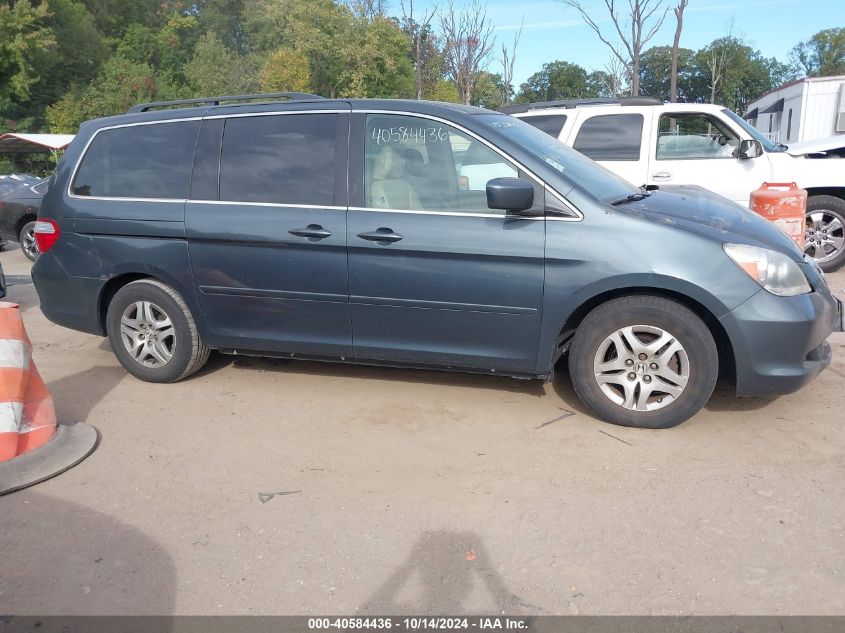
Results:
[555, 31]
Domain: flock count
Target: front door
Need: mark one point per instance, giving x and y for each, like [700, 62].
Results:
[267, 239]
[435, 276]
[694, 148]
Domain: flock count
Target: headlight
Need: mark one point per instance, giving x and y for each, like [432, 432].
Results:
[774, 271]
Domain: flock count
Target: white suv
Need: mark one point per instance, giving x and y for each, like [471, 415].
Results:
[649, 142]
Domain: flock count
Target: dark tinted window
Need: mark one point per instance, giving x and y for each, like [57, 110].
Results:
[551, 124]
[139, 161]
[611, 137]
[286, 159]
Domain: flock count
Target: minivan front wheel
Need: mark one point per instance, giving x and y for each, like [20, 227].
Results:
[152, 332]
[643, 361]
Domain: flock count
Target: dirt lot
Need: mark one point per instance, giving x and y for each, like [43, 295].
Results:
[408, 491]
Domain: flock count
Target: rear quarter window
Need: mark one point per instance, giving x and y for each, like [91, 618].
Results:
[139, 161]
[551, 124]
[611, 137]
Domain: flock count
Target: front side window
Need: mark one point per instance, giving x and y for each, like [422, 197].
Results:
[282, 159]
[611, 137]
[417, 164]
[694, 135]
[139, 161]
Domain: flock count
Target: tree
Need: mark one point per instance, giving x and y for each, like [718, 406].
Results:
[377, 60]
[468, 41]
[120, 85]
[634, 29]
[488, 89]
[508, 60]
[822, 55]
[428, 61]
[216, 70]
[729, 72]
[656, 72]
[557, 80]
[676, 43]
[27, 39]
[286, 70]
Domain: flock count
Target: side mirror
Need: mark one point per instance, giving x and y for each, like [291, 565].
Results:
[750, 149]
[510, 194]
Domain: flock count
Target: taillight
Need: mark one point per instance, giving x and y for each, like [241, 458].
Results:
[46, 234]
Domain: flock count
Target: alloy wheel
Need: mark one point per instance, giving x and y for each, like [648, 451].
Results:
[641, 368]
[825, 235]
[29, 245]
[147, 334]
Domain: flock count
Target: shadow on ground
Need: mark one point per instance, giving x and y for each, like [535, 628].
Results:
[96, 383]
[60, 558]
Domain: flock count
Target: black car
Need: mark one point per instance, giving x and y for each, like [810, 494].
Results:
[18, 212]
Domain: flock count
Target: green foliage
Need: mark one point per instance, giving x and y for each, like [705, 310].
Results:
[64, 61]
[488, 91]
[216, 70]
[822, 55]
[655, 71]
[26, 40]
[557, 80]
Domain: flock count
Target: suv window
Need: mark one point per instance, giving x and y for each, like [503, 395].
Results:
[611, 137]
[282, 159]
[694, 135]
[551, 124]
[139, 161]
[417, 164]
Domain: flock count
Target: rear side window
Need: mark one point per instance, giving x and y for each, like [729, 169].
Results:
[282, 159]
[139, 161]
[611, 137]
[551, 124]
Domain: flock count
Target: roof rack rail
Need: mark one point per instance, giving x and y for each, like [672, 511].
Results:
[577, 103]
[213, 101]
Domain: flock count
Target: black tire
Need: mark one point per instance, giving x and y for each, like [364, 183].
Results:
[189, 353]
[26, 237]
[702, 364]
[831, 207]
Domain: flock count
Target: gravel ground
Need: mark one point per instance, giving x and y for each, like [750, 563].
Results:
[418, 492]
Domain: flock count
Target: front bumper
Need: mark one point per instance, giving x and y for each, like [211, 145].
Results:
[780, 343]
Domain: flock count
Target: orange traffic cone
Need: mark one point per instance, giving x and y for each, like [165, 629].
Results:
[27, 415]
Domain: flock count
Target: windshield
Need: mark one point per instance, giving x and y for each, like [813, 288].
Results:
[576, 168]
[756, 134]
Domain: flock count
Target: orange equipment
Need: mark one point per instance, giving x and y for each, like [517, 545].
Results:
[785, 204]
[27, 416]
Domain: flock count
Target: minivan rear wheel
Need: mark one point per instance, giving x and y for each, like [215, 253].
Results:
[152, 332]
[643, 361]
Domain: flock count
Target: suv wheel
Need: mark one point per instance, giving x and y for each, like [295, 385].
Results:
[27, 239]
[152, 332]
[643, 361]
[825, 235]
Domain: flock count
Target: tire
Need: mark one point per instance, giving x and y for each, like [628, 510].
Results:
[686, 370]
[825, 235]
[27, 240]
[137, 318]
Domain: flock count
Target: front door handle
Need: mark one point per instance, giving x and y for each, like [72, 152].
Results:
[381, 235]
[662, 175]
[313, 231]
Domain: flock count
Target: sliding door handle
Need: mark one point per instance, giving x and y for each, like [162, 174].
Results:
[381, 235]
[313, 231]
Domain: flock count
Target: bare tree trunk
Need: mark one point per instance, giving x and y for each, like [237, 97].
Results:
[508, 59]
[642, 21]
[418, 32]
[676, 44]
[468, 36]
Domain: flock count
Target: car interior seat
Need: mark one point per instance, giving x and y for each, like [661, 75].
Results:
[390, 188]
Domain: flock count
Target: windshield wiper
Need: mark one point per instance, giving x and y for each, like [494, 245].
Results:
[781, 147]
[634, 197]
